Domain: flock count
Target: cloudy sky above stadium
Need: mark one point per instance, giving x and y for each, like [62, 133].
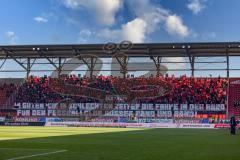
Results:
[99, 21]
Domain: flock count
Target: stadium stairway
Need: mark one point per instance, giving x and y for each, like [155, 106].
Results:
[234, 95]
[2, 97]
[8, 94]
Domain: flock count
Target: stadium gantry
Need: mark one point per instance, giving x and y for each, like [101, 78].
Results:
[59, 55]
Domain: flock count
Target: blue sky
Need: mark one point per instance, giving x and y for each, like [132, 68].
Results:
[101, 21]
[98, 21]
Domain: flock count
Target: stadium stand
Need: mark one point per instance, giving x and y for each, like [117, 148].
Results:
[178, 90]
[184, 89]
[162, 97]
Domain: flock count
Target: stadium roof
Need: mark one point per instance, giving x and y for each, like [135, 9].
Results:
[137, 50]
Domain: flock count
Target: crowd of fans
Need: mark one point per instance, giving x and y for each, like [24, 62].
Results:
[36, 89]
[196, 90]
[163, 89]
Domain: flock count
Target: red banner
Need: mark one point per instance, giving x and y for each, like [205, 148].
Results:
[223, 126]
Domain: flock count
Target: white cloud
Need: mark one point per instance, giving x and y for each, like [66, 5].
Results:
[85, 32]
[104, 10]
[151, 14]
[175, 26]
[11, 36]
[196, 6]
[208, 35]
[40, 19]
[149, 18]
[134, 31]
[156, 16]
[110, 35]
[213, 34]
[72, 21]
[84, 35]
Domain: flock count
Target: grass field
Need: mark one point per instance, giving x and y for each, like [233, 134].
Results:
[42, 143]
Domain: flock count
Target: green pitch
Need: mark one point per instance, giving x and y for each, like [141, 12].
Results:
[42, 143]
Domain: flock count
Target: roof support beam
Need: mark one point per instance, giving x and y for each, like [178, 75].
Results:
[52, 63]
[19, 63]
[90, 61]
[59, 68]
[192, 63]
[227, 57]
[10, 54]
[157, 61]
[3, 63]
[122, 59]
[191, 60]
[42, 54]
[29, 65]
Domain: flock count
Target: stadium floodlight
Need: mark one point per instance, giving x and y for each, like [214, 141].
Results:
[183, 46]
[189, 47]
[33, 49]
[173, 47]
[38, 49]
